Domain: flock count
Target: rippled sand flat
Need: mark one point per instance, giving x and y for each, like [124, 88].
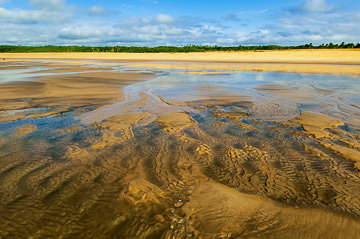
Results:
[99, 149]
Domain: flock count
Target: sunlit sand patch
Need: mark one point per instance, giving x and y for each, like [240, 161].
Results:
[245, 126]
[355, 144]
[234, 117]
[186, 138]
[203, 149]
[175, 122]
[316, 124]
[317, 120]
[140, 191]
[325, 129]
[247, 151]
[348, 153]
[235, 153]
[122, 123]
[24, 130]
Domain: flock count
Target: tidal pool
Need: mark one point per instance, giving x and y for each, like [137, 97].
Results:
[114, 151]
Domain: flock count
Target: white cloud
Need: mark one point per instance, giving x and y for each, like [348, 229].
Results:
[127, 31]
[163, 18]
[313, 21]
[30, 16]
[55, 22]
[44, 11]
[321, 26]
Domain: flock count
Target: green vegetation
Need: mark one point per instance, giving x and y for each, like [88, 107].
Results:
[189, 48]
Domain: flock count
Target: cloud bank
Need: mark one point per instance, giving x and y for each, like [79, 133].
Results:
[59, 23]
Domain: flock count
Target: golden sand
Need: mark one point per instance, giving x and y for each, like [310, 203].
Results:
[333, 56]
[174, 122]
[325, 129]
[122, 123]
[316, 124]
[336, 61]
[345, 152]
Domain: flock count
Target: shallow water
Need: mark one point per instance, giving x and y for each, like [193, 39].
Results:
[230, 155]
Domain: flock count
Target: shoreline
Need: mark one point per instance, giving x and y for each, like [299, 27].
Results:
[323, 61]
[318, 56]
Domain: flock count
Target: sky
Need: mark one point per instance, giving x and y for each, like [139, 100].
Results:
[182, 22]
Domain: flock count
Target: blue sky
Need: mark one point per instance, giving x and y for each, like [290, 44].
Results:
[165, 22]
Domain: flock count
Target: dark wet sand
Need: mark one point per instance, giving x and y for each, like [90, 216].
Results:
[80, 158]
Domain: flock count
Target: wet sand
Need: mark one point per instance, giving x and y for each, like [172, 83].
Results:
[82, 87]
[125, 151]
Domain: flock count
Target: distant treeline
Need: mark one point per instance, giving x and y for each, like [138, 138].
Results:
[156, 49]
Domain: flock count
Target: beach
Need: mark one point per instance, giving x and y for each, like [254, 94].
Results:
[253, 144]
[335, 61]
